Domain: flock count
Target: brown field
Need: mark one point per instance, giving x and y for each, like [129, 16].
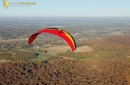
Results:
[84, 49]
[12, 40]
[56, 49]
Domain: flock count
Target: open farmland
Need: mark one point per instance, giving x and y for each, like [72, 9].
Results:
[56, 49]
[84, 49]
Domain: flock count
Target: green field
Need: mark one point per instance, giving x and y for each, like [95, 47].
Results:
[41, 57]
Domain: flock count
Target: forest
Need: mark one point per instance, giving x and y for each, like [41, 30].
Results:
[70, 72]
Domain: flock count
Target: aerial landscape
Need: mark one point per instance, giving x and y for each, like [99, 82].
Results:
[101, 55]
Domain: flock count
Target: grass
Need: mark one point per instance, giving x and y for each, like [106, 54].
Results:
[41, 57]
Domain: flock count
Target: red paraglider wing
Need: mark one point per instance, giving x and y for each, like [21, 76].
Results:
[32, 37]
[58, 32]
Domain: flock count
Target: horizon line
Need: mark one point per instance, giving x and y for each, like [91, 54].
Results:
[67, 17]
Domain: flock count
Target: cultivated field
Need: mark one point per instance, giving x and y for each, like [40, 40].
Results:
[84, 49]
[56, 49]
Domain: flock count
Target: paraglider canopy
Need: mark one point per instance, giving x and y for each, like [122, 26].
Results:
[58, 32]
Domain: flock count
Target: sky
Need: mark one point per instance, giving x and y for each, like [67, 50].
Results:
[68, 8]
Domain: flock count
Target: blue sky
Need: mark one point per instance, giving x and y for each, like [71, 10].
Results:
[69, 8]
